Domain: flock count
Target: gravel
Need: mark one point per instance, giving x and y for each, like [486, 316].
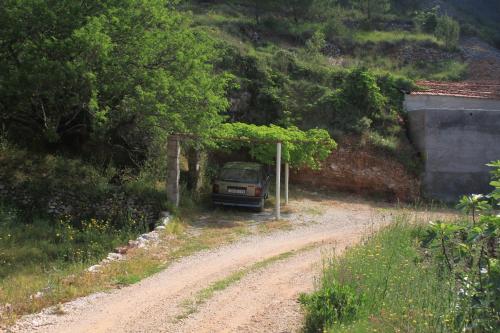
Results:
[263, 301]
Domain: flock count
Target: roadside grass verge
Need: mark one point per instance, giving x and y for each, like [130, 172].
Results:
[61, 280]
[385, 284]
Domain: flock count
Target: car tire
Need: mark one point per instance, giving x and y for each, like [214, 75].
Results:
[260, 209]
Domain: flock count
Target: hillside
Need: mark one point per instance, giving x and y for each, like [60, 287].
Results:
[90, 92]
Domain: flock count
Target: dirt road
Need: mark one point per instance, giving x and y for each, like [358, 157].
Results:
[263, 300]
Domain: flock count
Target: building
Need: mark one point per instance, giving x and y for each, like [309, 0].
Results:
[456, 129]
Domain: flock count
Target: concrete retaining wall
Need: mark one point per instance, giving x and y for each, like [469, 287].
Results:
[456, 137]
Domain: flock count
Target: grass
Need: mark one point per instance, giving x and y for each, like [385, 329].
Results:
[385, 284]
[393, 36]
[444, 70]
[63, 280]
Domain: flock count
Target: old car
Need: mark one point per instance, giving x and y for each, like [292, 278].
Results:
[242, 184]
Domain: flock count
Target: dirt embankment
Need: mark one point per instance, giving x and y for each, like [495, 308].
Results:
[362, 170]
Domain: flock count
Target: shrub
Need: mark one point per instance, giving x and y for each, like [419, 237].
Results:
[331, 304]
[426, 21]
[334, 28]
[316, 43]
[448, 30]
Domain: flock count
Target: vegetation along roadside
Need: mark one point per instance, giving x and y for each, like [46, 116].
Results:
[441, 277]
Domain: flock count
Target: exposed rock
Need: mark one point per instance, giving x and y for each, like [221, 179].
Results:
[114, 256]
[133, 243]
[94, 269]
[122, 249]
[361, 170]
[37, 295]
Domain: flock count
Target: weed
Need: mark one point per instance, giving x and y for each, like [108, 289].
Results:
[382, 284]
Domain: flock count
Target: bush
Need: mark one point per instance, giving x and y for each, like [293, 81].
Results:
[334, 28]
[56, 187]
[426, 21]
[331, 304]
[448, 30]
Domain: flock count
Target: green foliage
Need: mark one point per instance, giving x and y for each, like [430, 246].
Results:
[390, 286]
[426, 21]
[372, 8]
[331, 304]
[495, 174]
[441, 278]
[45, 243]
[299, 148]
[393, 36]
[357, 104]
[469, 251]
[444, 27]
[316, 43]
[335, 28]
[90, 72]
[35, 183]
[448, 30]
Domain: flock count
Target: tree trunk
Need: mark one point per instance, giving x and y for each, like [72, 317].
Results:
[194, 179]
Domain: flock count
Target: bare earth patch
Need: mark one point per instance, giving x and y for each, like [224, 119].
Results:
[263, 299]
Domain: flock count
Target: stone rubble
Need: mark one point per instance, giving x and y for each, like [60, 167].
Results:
[143, 241]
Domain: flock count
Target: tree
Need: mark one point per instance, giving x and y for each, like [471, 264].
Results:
[324, 9]
[261, 6]
[406, 6]
[298, 8]
[372, 8]
[448, 30]
[427, 20]
[119, 73]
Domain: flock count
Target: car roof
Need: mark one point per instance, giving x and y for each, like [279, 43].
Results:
[243, 165]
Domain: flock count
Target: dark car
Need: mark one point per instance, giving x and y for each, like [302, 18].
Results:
[241, 184]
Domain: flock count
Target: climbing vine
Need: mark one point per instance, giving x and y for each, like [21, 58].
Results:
[299, 148]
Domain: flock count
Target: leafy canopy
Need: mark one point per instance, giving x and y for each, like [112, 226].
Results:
[299, 148]
[115, 72]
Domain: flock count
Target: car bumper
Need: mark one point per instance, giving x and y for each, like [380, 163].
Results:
[236, 200]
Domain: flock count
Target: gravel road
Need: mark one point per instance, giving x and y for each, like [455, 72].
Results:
[264, 300]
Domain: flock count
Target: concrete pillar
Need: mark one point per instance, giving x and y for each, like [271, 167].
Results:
[278, 180]
[287, 177]
[173, 172]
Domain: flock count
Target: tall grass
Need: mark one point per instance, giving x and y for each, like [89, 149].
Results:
[393, 36]
[383, 285]
[45, 244]
[47, 255]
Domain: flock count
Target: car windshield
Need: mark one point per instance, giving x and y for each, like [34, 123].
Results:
[239, 175]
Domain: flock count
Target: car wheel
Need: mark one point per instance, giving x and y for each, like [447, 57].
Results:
[260, 209]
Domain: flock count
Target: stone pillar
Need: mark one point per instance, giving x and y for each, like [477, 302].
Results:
[173, 172]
